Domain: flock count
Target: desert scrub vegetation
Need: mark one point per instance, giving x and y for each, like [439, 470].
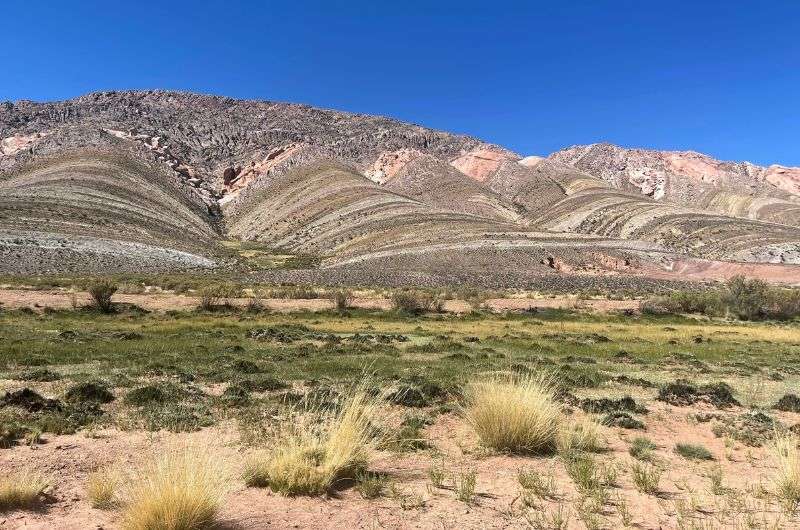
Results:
[181, 488]
[693, 451]
[741, 298]
[342, 300]
[786, 480]
[101, 294]
[642, 448]
[102, 487]
[516, 414]
[318, 446]
[21, 490]
[579, 435]
[415, 303]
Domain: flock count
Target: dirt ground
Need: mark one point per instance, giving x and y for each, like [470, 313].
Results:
[57, 299]
[413, 502]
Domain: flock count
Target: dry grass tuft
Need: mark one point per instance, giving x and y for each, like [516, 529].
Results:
[102, 487]
[180, 489]
[513, 414]
[319, 447]
[787, 476]
[582, 434]
[21, 490]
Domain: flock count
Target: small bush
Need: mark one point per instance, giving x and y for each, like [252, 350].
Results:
[786, 480]
[642, 448]
[788, 403]
[42, 375]
[21, 490]
[465, 483]
[181, 489]
[646, 478]
[371, 485]
[414, 303]
[342, 300]
[622, 419]
[513, 414]
[101, 294]
[693, 452]
[215, 298]
[91, 392]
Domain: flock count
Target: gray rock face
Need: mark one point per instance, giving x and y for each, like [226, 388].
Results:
[211, 133]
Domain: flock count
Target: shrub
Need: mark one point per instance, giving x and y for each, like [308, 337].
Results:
[465, 483]
[342, 300]
[693, 452]
[180, 489]
[787, 476]
[255, 305]
[415, 303]
[646, 478]
[319, 447]
[513, 414]
[92, 392]
[371, 485]
[747, 299]
[215, 298]
[622, 419]
[21, 490]
[642, 448]
[101, 294]
[740, 297]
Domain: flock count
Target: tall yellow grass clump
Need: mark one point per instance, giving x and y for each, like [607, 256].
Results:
[180, 489]
[320, 447]
[515, 414]
[787, 476]
[21, 490]
[102, 487]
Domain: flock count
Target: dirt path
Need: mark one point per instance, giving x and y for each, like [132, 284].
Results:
[56, 299]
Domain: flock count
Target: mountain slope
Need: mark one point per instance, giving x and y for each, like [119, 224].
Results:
[692, 179]
[158, 180]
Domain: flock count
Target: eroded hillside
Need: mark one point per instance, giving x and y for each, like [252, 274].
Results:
[164, 180]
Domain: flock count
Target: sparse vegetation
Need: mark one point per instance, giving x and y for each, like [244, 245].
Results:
[342, 300]
[102, 487]
[786, 480]
[646, 477]
[741, 298]
[101, 293]
[642, 449]
[21, 490]
[693, 451]
[279, 375]
[322, 446]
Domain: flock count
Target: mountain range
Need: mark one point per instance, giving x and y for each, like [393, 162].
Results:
[151, 181]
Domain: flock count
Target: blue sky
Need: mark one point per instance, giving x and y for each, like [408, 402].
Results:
[717, 77]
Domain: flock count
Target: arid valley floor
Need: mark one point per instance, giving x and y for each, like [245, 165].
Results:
[138, 382]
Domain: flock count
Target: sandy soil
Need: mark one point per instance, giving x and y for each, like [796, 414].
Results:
[56, 299]
[415, 502]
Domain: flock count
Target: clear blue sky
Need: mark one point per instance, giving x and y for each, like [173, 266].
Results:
[717, 77]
